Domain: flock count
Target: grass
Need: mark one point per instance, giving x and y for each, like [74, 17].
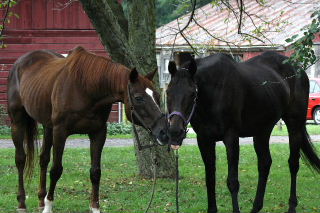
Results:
[123, 191]
[311, 128]
[78, 136]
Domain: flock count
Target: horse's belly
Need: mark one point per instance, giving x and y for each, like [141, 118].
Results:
[255, 123]
[41, 112]
[36, 99]
[79, 123]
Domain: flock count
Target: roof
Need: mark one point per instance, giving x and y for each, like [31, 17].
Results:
[276, 19]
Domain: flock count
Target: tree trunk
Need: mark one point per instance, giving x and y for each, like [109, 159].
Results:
[142, 27]
[132, 43]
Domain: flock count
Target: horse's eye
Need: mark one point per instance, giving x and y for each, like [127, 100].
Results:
[139, 98]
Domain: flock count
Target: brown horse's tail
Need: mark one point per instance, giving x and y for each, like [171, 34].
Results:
[31, 146]
[309, 154]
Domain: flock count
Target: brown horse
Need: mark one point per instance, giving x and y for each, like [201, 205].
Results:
[73, 95]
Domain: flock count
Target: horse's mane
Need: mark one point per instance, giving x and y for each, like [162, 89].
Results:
[96, 73]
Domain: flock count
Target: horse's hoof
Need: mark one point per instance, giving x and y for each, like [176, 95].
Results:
[40, 209]
[94, 210]
[47, 211]
[21, 210]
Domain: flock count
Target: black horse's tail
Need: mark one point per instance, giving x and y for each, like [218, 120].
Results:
[309, 154]
[31, 146]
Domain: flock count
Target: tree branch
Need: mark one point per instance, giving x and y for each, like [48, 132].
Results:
[108, 18]
[191, 16]
[215, 37]
[4, 23]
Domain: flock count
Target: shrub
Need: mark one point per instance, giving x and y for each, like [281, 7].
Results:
[113, 129]
[119, 129]
[5, 130]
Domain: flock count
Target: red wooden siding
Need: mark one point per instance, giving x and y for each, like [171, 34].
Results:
[248, 55]
[47, 24]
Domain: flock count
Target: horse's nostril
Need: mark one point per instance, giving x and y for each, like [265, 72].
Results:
[162, 132]
[163, 137]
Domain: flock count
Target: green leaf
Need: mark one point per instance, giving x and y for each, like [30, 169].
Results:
[288, 40]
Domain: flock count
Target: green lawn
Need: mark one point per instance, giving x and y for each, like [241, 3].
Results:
[312, 130]
[77, 136]
[123, 191]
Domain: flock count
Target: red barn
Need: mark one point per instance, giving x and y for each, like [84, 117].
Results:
[58, 25]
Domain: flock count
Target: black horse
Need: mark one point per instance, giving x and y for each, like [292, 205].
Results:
[229, 100]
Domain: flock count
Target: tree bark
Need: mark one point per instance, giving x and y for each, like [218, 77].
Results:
[132, 43]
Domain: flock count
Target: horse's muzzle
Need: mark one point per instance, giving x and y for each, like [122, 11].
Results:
[175, 147]
[162, 138]
[176, 136]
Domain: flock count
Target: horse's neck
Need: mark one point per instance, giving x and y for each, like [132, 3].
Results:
[115, 84]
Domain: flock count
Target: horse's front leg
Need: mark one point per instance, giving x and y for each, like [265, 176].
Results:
[231, 141]
[208, 153]
[261, 146]
[97, 141]
[59, 140]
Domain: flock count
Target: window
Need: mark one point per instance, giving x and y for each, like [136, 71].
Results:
[314, 87]
[312, 83]
[317, 64]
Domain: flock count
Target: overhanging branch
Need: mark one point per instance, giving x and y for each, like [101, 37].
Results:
[4, 23]
[109, 21]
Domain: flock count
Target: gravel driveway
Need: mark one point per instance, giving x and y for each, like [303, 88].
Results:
[84, 143]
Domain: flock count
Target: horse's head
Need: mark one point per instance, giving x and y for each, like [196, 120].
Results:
[181, 100]
[142, 104]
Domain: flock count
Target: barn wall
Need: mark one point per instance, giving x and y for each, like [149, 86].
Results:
[248, 55]
[47, 24]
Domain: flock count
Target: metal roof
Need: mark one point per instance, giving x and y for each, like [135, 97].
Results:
[277, 20]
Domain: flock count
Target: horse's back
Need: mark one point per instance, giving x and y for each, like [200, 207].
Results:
[251, 94]
[297, 81]
[30, 83]
[274, 64]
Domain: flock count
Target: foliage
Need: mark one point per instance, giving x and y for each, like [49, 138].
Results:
[122, 190]
[6, 19]
[304, 55]
[119, 129]
[113, 129]
[169, 10]
[3, 115]
[5, 130]
[311, 128]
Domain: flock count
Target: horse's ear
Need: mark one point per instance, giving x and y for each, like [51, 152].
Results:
[192, 67]
[133, 75]
[150, 75]
[172, 67]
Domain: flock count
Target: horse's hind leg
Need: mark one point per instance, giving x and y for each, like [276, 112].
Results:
[97, 141]
[18, 128]
[296, 136]
[261, 146]
[44, 161]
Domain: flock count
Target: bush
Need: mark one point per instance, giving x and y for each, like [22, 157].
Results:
[5, 130]
[113, 129]
[119, 129]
